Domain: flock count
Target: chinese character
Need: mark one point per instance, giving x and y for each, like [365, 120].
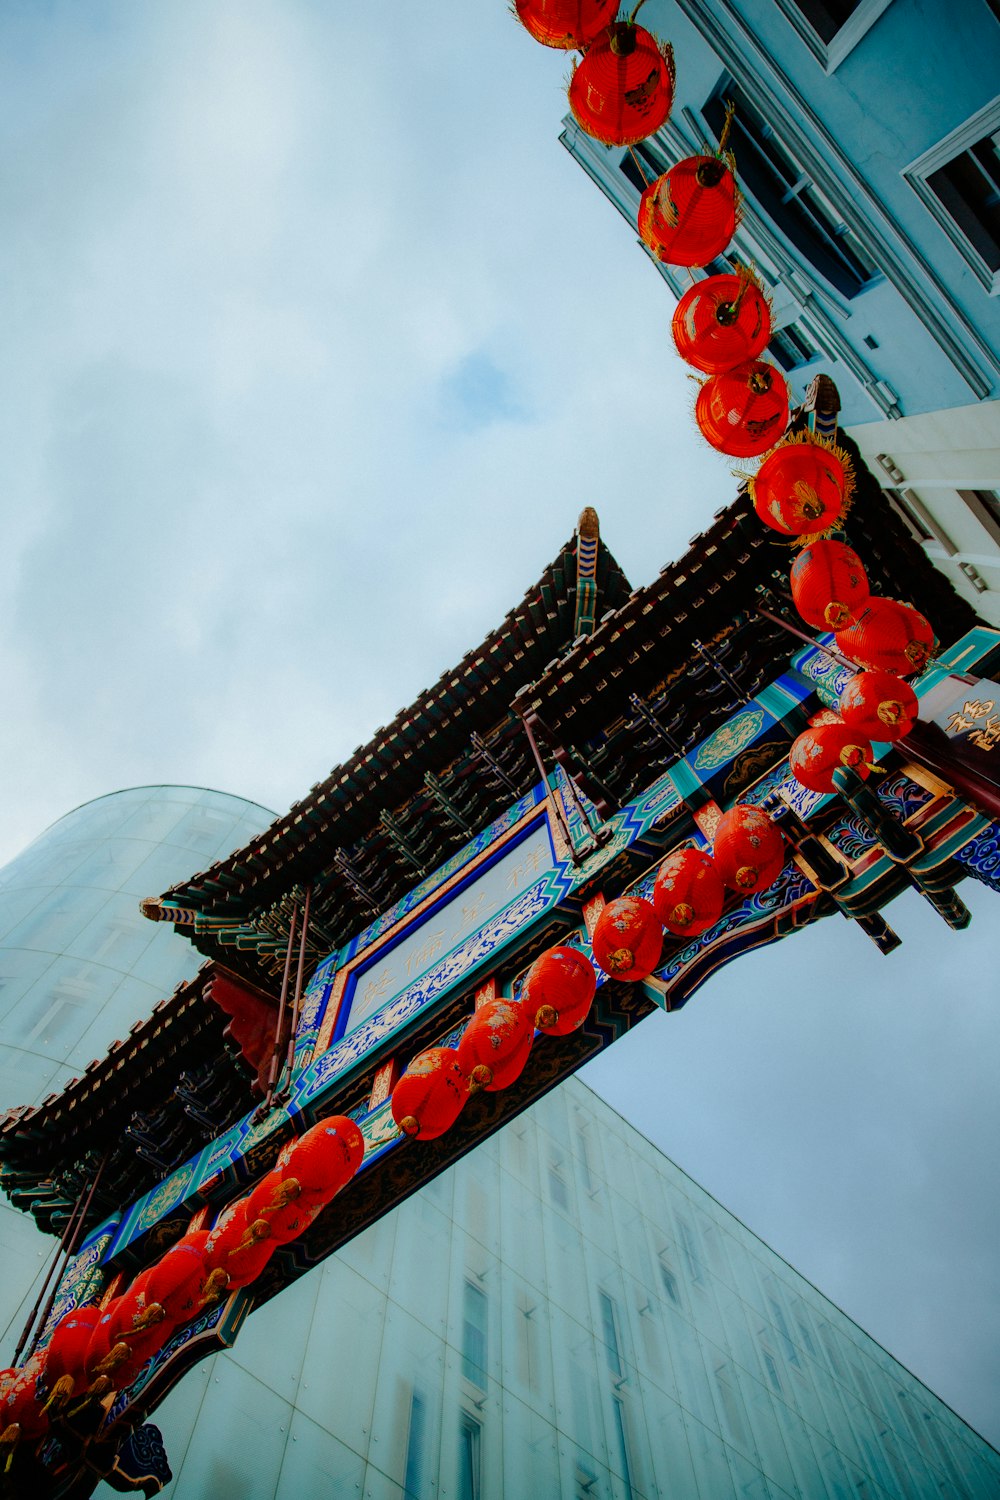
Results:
[977, 710]
[959, 724]
[376, 988]
[428, 950]
[472, 912]
[988, 737]
[528, 865]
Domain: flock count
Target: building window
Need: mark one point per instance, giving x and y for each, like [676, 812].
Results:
[609, 1333]
[690, 1250]
[474, 1310]
[730, 1404]
[588, 1176]
[780, 1323]
[622, 1436]
[792, 347]
[557, 1186]
[669, 1279]
[770, 1365]
[787, 196]
[959, 182]
[470, 1458]
[832, 28]
[826, 17]
[969, 188]
[413, 1472]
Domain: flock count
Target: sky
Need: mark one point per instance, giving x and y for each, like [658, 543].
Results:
[315, 342]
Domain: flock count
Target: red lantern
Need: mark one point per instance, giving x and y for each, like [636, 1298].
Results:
[176, 1279]
[189, 1297]
[142, 1325]
[105, 1353]
[622, 89]
[239, 1245]
[21, 1405]
[324, 1160]
[888, 636]
[743, 411]
[287, 1211]
[804, 485]
[722, 321]
[566, 23]
[749, 850]
[558, 990]
[823, 749]
[829, 584]
[271, 1195]
[495, 1045]
[628, 939]
[688, 216]
[428, 1099]
[879, 705]
[66, 1351]
[688, 893]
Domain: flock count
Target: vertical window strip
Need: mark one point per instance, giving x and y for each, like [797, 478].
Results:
[474, 1335]
[609, 1332]
[470, 1457]
[413, 1470]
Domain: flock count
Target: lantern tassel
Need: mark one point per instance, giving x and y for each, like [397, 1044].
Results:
[9, 1439]
[214, 1285]
[60, 1393]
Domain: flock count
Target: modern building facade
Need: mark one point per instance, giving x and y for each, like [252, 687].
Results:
[866, 139]
[562, 1314]
[78, 965]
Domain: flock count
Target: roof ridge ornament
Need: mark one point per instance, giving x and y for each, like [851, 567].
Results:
[588, 538]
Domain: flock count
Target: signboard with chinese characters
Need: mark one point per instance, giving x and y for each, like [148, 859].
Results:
[976, 717]
[450, 923]
[968, 710]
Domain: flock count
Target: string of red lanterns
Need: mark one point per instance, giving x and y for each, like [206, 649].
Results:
[95, 1349]
[620, 92]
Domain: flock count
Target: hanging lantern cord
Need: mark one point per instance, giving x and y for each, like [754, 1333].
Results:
[638, 8]
[841, 661]
[727, 312]
[638, 166]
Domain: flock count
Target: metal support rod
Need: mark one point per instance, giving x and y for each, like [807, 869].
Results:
[66, 1247]
[556, 804]
[562, 758]
[841, 661]
[286, 1071]
[272, 1072]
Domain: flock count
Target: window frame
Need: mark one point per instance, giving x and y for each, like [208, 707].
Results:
[831, 54]
[985, 121]
[794, 200]
[475, 1335]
